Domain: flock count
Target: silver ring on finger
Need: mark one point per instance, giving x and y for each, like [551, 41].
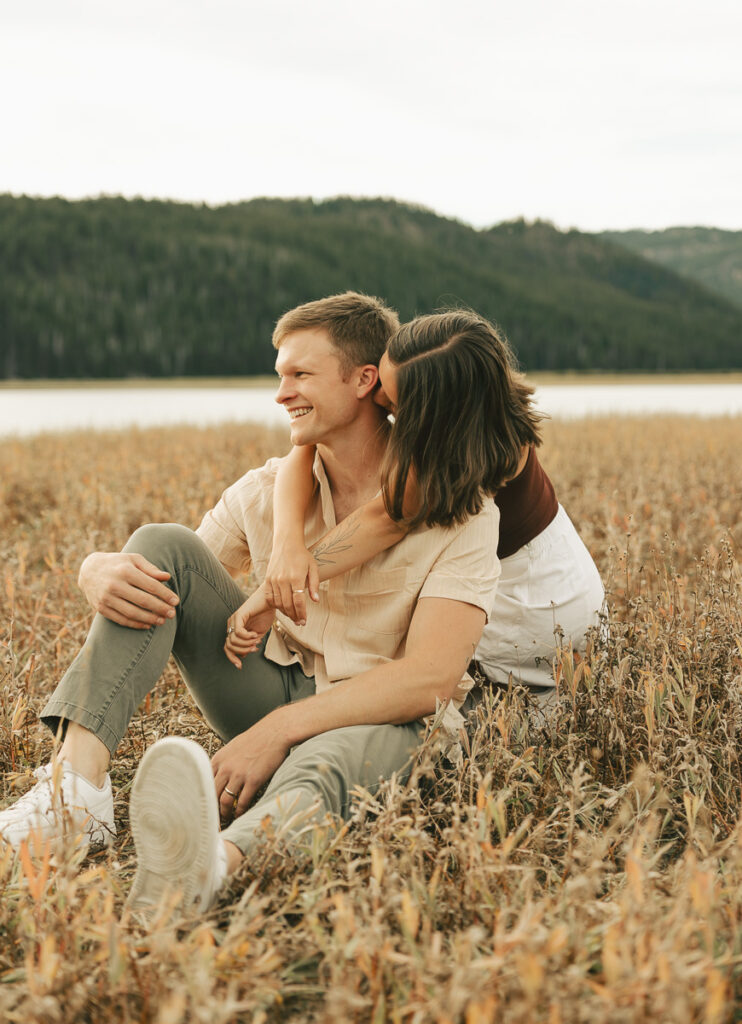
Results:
[228, 790]
[297, 591]
[230, 630]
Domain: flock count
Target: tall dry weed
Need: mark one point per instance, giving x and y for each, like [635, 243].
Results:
[580, 866]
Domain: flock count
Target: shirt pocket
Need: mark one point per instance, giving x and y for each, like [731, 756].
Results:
[379, 601]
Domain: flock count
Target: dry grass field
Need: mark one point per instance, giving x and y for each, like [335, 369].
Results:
[585, 869]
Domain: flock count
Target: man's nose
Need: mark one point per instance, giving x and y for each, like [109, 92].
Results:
[283, 393]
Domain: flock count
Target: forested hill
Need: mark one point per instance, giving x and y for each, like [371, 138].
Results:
[709, 255]
[111, 288]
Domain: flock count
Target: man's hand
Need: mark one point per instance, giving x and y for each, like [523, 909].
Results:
[127, 589]
[246, 762]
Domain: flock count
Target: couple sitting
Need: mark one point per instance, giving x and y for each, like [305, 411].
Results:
[406, 587]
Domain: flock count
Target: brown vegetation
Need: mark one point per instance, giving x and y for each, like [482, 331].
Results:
[584, 869]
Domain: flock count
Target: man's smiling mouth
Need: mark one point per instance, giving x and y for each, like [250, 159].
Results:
[294, 414]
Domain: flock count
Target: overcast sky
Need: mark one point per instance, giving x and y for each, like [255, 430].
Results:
[590, 114]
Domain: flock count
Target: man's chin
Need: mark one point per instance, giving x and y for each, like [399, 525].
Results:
[300, 436]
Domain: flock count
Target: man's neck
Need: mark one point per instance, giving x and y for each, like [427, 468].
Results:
[353, 466]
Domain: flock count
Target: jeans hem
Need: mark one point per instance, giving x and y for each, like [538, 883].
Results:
[57, 710]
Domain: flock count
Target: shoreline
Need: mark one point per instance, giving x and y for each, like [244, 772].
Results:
[571, 377]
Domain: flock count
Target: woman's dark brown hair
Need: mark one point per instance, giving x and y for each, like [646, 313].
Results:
[463, 415]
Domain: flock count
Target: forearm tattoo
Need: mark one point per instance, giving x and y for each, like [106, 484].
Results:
[337, 540]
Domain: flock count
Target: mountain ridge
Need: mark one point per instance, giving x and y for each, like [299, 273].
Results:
[111, 287]
[711, 256]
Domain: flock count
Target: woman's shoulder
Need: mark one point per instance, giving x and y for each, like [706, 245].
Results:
[528, 459]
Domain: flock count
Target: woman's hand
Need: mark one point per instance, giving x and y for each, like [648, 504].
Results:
[291, 572]
[247, 626]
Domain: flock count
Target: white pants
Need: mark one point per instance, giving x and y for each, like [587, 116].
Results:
[549, 594]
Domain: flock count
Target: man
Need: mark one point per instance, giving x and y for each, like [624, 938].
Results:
[321, 707]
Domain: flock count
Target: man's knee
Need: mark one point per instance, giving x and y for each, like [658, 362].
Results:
[159, 542]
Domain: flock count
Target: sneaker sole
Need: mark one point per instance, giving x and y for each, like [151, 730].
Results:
[174, 817]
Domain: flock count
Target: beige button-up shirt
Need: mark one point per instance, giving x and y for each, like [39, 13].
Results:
[362, 617]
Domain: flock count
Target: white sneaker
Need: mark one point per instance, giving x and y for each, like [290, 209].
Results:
[62, 803]
[174, 818]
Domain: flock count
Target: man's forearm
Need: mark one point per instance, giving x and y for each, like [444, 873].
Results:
[440, 644]
[393, 693]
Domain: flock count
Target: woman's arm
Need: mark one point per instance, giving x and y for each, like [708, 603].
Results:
[361, 535]
[292, 569]
[292, 493]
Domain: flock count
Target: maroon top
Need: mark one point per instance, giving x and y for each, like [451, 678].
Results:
[527, 505]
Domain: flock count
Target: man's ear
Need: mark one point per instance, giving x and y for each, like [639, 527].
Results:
[367, 379]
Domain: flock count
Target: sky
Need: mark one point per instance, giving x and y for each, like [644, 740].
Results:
[592, 115]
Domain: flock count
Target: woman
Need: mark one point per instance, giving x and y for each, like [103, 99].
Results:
[445, 455]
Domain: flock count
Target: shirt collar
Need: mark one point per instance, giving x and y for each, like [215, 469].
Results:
[325, 493]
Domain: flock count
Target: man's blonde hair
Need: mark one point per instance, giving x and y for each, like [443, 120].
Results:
[359, 326]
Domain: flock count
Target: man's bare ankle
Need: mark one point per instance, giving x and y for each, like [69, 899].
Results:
[234, 856]
[85, 754]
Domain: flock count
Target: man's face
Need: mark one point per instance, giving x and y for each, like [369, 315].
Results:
[313, 390]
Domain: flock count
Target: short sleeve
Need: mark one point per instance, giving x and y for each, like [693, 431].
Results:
[468, 568]
[227, 528]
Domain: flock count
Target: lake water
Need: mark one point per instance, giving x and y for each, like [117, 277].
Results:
[27, 411]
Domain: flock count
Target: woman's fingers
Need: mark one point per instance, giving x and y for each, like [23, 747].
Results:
[286, 594]
[285, 601]
[293, 599]
[299, 604]
[271, 593]
[313, 580]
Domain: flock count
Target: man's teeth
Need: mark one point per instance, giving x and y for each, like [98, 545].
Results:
[294, 414]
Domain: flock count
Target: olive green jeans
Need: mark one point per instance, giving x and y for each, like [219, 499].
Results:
[118, 666]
